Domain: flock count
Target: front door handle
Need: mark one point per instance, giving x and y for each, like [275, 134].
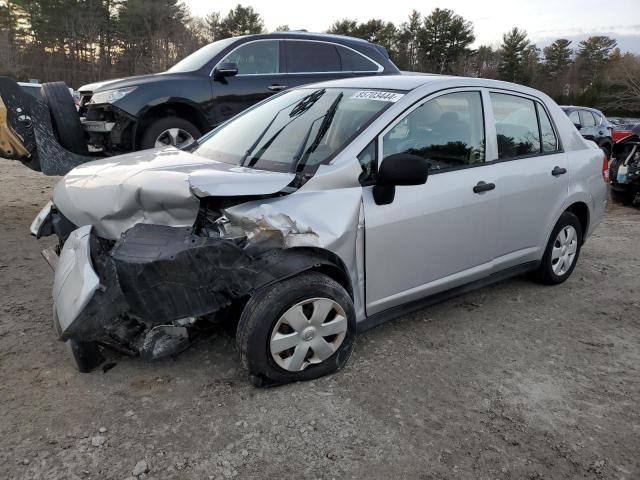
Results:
[276, 87]
[557, 171]
[483, 187]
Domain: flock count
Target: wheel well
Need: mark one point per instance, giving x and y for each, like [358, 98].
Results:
[607, 145]
[330, 265]
[182, 110]
[580, 210]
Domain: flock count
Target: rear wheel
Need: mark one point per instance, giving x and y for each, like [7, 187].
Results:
[562, 252]
[64, 117]
[297, 329]
[169, 131]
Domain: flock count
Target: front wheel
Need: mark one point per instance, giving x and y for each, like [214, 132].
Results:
[298, 329]
[169, 131]
[562, 252]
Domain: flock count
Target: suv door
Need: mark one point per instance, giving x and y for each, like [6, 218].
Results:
[589, 125]
[311, 61]
[441, 234]
[533, 180]
[260, 74]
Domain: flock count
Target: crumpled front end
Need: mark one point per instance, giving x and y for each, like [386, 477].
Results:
[142, 271]
[148, 293]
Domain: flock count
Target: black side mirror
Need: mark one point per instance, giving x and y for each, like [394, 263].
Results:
[578, 126]
[399, 169]
[227, 69]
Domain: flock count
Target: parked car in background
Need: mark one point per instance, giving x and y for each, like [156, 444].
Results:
[215, 83]
[624, 171]
[622, 127]
[592, 124]
[318, 213]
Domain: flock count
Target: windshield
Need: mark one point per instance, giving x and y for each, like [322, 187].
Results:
[201, 57]
[298, 129]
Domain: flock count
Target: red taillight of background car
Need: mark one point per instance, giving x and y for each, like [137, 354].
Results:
[618, 135]
[605, 168]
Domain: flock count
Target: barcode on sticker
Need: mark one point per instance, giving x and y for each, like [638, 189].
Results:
[377, 95]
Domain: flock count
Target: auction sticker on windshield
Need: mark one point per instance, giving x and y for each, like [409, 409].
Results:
[377, 95]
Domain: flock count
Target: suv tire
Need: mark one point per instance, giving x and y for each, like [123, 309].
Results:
[173, 128]
[264, 322]
[86, 355]
[64, 117]
[562, 252]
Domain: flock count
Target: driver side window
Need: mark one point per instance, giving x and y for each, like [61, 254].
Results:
[448, 131]
[255, 58]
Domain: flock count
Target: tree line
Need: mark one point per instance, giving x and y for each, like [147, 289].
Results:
[80, 41]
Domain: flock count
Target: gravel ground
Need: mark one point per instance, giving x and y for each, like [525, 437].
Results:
[512, 381]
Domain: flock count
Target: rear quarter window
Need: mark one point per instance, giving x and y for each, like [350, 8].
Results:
[354, 62]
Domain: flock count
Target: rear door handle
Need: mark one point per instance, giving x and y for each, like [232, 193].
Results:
[557, 171]
[276, 88]
[483, 187]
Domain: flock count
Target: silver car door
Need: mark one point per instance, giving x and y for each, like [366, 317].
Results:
[441, 234]
[533, 177]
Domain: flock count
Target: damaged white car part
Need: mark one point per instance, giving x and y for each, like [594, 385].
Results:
[324, 210]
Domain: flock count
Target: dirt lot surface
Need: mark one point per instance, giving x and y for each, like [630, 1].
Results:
[512, 381]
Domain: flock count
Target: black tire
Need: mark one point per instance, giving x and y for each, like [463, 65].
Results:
[86, 355]
[153, 131]
[545, 273]
[64, 117]
[624, 196]
[261, 315]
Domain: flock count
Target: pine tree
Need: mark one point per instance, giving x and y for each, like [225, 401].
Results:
[512, 53]
[445, 37]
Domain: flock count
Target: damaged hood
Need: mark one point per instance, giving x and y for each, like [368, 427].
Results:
[154, 186]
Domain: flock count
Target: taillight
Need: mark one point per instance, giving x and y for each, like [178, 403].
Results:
[618, 135]
[605, 167]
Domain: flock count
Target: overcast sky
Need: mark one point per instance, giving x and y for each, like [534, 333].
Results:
[544, 20]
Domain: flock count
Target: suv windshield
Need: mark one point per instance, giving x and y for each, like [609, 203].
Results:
[201, 57]
[300, 128]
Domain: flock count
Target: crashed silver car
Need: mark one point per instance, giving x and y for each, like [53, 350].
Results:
[320, 213]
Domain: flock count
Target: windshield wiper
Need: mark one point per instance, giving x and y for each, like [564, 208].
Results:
[302, 106]
[322, 130]
[306, 103]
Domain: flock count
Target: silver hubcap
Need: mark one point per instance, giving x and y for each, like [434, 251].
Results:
[308, 333]
[174, 136]
[564, 250]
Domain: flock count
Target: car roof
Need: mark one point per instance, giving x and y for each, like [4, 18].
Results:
[407, 83]
[299, 34]
[573, 107]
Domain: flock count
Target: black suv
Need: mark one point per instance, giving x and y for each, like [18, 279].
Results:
[215, 83]
[593, 125]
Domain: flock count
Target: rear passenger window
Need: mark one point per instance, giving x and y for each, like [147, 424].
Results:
[516, 125]
[354, 62]
[549, 138]
[448, 131]
[307, 57]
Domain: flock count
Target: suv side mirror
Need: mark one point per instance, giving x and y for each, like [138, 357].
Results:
[399, 169]
[227, 69]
